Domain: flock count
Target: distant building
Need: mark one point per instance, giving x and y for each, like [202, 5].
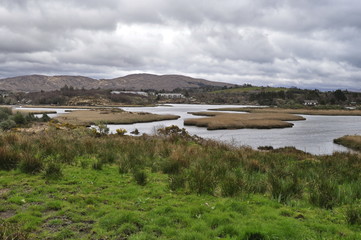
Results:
[130, 92]
[171, 95]
[310, 102]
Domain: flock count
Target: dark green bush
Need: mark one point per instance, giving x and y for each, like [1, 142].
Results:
[9, 158]
[140, 176]
[53, 171]
[353, 215]
[30, 164]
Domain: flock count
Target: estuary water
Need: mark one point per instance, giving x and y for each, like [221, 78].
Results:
[314, 135]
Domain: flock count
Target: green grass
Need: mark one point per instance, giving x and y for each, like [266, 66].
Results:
[251, 89]
[172, 186]
[90, 204]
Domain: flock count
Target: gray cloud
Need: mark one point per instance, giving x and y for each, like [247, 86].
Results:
[305, 43]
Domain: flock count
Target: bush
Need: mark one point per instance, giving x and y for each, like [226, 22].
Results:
[140, 177]
[9, 158]
[232, 184]
[284, 185]
[19, 118]
[353, 215]
[30, 164]
[7, 124]
[53, 171]
[121, 131]
[176, 181]
[324, 192]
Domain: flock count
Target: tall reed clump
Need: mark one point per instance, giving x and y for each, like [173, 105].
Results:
[9, 158]
[284, 184]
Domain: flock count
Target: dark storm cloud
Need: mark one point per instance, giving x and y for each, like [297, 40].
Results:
[279, 42]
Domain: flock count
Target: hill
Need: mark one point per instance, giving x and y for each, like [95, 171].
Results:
[32, 83]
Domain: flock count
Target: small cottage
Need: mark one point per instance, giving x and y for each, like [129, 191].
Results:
[310, 102]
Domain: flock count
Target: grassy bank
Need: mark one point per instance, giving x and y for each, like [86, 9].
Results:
[111, 116]
[306, 111]
[353, 142]
[79, 185]
[219, 120]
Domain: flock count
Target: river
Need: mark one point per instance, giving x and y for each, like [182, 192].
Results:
[314, 135]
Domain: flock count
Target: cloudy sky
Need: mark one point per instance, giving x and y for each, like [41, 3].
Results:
[303, 43]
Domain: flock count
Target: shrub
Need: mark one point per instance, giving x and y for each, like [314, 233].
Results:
[53, 171]
[284, 185]
[19, 118]
[140, 177]
[97, 165]
[324, 192]
[9, 158]
[30, 164]
[201, 178]
[176, 181]
[121, 131]
[232, 184]
[7, 124]
[353, 215]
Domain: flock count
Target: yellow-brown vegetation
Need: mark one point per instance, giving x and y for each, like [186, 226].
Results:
[329, 112]
[111, 116]
[219, 120]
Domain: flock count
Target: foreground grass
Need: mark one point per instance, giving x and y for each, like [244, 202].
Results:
[111, 116]
[353, 142]
[219, 120]
[93, 204]
[305, 111]
[80, 185]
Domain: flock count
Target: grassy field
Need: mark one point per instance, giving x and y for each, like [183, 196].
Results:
[353, 142]
[251, 89]
[81, 185]
[110, 116]
[305, 111]
[219, 120]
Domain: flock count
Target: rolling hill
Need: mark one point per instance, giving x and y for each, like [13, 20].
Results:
[33, 83]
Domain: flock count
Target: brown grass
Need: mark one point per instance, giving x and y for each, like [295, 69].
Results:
[111, 116]
[350, 141]
[219, 120]
[33, 111]
[329, 112]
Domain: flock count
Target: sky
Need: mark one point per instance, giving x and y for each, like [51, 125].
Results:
[303, 43]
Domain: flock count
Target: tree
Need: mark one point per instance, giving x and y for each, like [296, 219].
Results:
[339, 95]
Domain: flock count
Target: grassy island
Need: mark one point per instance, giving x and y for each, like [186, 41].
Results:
[111, 116]
[353, 142]
[79, 184]
[219, 120]
[302, 111]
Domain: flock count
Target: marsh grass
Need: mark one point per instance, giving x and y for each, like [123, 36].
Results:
[350, 141]
[173, 164]
[219, 120]
[111, 116]
[302, 111]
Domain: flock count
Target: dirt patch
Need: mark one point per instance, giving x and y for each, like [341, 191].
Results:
[7, 214]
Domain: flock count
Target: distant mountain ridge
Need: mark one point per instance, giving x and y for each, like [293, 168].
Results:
[33, 83]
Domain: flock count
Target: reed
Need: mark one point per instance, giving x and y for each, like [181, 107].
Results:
[217, 120]
[111, 116]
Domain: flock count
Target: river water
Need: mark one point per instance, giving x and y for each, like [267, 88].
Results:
[314, 135]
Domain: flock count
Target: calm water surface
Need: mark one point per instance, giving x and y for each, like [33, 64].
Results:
[314, 135]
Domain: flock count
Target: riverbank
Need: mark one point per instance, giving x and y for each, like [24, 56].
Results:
[79, 185]
[219, 120]
[353, 142]
[110, 116]
[306, 111]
